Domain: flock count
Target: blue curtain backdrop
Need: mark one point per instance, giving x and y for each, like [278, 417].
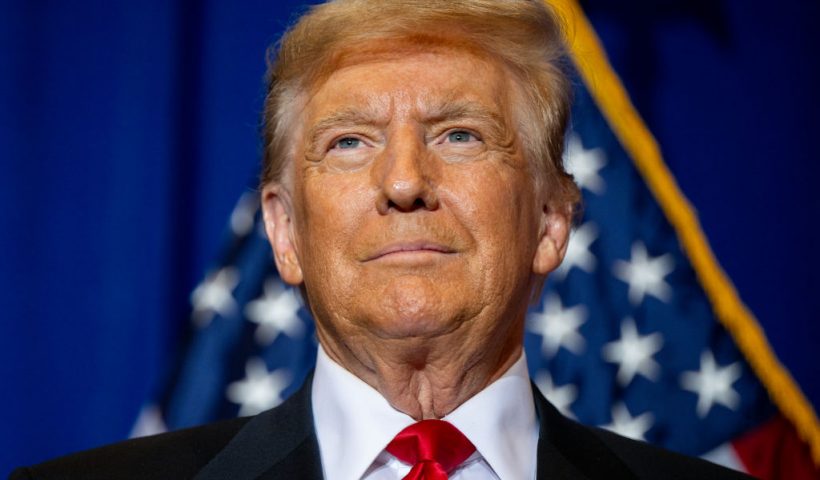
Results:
[129, 129]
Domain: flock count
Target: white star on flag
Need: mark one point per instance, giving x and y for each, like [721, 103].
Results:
[645, 274]
[623, 423]
[242, 215]
[560, 397]
[712, 384]
[584, 165]
[260, 389]
[215, 296]
[578, 254]
[558, 326]
[275, 311]
[633, 353]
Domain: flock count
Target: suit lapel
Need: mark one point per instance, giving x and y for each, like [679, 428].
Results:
[276, 444]
[569, 450]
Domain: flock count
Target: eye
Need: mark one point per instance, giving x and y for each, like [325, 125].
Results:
[347, 143]
[461, 136]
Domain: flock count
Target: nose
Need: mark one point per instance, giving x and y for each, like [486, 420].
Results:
[405, 177]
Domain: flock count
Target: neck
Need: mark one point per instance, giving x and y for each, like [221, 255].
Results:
[427, 377]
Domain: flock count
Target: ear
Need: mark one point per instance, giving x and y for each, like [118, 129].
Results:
[553, 238]
[277, 213]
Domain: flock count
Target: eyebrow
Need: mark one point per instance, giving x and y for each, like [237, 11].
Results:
[459, 109]
[345, 116]
[449, 110]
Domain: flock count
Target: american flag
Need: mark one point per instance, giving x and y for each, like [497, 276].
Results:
[624, 335]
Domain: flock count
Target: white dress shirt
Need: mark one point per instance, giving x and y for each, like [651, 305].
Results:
[354, 424]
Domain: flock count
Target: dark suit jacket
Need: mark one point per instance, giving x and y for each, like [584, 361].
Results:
[281, 444]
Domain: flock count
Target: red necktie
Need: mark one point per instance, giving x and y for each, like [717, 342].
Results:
[433, 447]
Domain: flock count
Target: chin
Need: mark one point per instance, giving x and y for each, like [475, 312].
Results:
[415, 307]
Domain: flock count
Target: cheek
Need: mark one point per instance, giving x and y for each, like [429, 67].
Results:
[333, 208]
[496, 204]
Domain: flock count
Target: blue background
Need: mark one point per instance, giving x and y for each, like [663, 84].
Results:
[129, 129]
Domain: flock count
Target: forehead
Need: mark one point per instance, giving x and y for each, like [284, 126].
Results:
[412, 82]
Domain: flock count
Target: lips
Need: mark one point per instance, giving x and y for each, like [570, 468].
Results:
[407, 248]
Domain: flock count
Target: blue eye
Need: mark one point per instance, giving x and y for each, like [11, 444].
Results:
[348, 142]
[460, 136]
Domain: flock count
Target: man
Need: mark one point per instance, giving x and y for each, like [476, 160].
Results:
[413, 188]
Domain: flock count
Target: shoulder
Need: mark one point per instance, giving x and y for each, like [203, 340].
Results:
[178, 454]
[649, 461]
[571, 448]
[238, 448]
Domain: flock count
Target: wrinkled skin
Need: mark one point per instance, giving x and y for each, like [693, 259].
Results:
[412, 217]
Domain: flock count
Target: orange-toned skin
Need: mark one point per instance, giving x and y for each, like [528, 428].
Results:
[411, 215]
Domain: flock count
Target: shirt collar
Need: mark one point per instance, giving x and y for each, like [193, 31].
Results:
[500, 421]
[354, 422]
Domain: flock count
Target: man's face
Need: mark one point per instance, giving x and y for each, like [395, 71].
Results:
[412, 211]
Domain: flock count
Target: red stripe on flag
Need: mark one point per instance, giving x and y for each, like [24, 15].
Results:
[773, 451]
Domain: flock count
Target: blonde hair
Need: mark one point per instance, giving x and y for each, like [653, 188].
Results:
[524, 35]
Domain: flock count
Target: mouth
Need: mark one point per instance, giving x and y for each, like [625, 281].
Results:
[413, 250]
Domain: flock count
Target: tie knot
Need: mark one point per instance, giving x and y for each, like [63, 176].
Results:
[431, 441]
